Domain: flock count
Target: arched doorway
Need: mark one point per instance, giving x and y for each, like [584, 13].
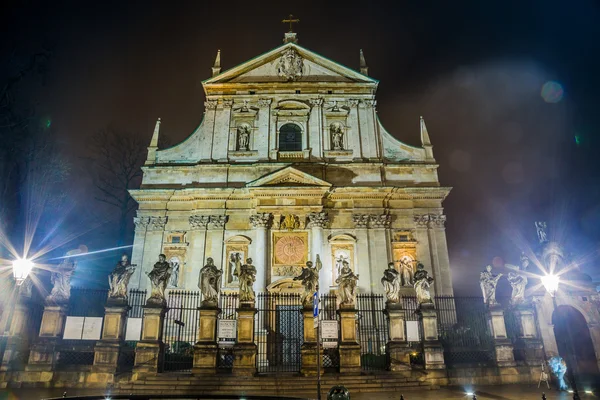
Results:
[575, 344]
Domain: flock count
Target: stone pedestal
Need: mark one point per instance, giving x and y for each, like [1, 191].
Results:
[107, 349]
[529, 344]
[503, 348]
[432, 348]
[244, 350]
[205, 350]
[148, 351]
[397, 347]
[42, 355]
[349, 347]
[309, 347]
[17, 340]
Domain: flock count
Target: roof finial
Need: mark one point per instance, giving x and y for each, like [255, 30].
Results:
[363, 64]
[425, 141]
[290, 36]
[151, 159]
[216, 68]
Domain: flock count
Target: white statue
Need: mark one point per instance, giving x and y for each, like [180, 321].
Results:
[310, 281]
[118, 280]
[488, 282]
[159, 277]
[235, 264]
[247, 277]
[243, 133]
[209, 283]
[391, 284]
[174, 279]
[518, 281]
[422, 283]
[407, 270]
[347, 285]
[337, 136]
[61, 279]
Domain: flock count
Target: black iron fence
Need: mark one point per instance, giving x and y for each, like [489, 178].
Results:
[136, 301]
[413, 330]
[279, 332]
[228, 303]
[372, 331]
[464, 330]
[328, 313]
[180, 330]
[87, 302]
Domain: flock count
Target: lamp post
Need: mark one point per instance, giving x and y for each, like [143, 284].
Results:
[551, 283]
[21, 269]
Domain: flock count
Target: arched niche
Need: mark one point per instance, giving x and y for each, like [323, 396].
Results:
[343, 248]
[236, 253]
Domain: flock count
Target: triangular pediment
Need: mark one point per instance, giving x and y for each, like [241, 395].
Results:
[288, 176]
[290, 63]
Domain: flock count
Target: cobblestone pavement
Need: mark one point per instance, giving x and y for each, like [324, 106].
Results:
[506, 392]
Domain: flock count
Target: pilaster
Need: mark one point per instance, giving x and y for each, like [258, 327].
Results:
[316, 223]
[263, 133]
[106, 351]
[205, 350]
[355, 141]
[363, 263]
[197, 240]
[137, 252]
[502, 345]
[42, 356]
[221, 132]
[148, 351]
[261, 223]
[152, 247]
[434, 352]
[349, 346]
[315, 129]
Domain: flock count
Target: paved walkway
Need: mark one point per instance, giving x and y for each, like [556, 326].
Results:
[505, 392]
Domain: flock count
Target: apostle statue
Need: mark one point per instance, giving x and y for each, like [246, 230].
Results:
[488, 282]
[347, 285]
[422, 283]
[61, 279]
[243, 137]
[118, 280]
[407, 270]
[235, 263]
[336, 136]
[558, 366]
[159, 277]
[391, 284]
[209, 283]
[247, 277]
[518, 281]
[310, 281]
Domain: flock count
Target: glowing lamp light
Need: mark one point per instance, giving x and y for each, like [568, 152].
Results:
[551, 282]
[21, 269]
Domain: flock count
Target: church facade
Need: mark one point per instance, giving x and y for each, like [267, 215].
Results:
[289, 164]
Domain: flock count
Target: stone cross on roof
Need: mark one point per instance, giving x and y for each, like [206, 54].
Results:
[290, 20]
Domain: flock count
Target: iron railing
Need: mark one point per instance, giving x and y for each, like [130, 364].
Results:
[87, 302]
[328, 312]
[228, 303]
[372, 331]
[279, 332]
[180, 330]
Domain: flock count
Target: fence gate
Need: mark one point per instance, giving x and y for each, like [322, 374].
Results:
[464, 330]
[180, 330]
[372, 331]
[331, 352]
[279, 332]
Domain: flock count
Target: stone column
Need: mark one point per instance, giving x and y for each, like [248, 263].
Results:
[43, 356]
[368, 140]
[197, 240]
[214, 238]
[210, 110]
[353, 133]
[434, 352]
[244, 350]
[502, 345]
[153, 245]
[137, 252]
[206, 350]
[315, 123]
[309, 347]
[397, 347]
[149, 350]
[221, 133]
[316, 223]
[439, 255]
[106, 352]
[261, 136]
[349, 346]
[260, 223]
[362, 265]
[17, 340]
[531, 344]
[379, 242]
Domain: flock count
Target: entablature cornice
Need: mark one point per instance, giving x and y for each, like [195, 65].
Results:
[390, 193]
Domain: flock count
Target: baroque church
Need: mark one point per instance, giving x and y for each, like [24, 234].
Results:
[291, 163]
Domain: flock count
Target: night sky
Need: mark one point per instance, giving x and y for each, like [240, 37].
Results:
[474, 70]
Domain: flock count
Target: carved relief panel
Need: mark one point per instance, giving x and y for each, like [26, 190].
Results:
[236, 253]
[290, 253]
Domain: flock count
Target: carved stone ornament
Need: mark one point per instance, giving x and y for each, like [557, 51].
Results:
[318, 102]
[157, 223]
[262, 103]
[347, 285]
[310, 281]
[217, 221]
[438, 221]
[159, 277]
[352, 102]
[286, 270]
[360, 220]
[317, 220]
[141, 223]
[243, 137]
[209, 283]
[61, 281]
[199, 221]
[210, 104]
[380, 221]
[540, 227]
[290, 222]
[227, 103]
[118, 280]
[336, 131]
[369, 103]
[421, 220]
[392, 284]
[488, 282]
[260, 220]
[422, 283]
[290, 65]
[247, 277]
[430, 220]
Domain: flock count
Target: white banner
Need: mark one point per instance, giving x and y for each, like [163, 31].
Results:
[73, 328]
[133, 330]
[412, 331]
[92, 328]
[329, 329]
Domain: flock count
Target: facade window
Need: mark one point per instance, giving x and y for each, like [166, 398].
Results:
[290, 138]
[175, 239]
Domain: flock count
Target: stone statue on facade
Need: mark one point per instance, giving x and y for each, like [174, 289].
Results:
[540, 227]
[290, 65]
[209, 283]
[247, 277]
[337, 136]
[347, 285]
[118, 280]
[243, 136]
[488, 282]
[391, 284]
[61, 280]
[518, 281]
[310, 280]
[159, 278]
[407, 271]
[422, 283]
[235, 264]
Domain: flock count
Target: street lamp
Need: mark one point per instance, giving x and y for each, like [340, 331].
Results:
[21, 269]
[551, 283]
